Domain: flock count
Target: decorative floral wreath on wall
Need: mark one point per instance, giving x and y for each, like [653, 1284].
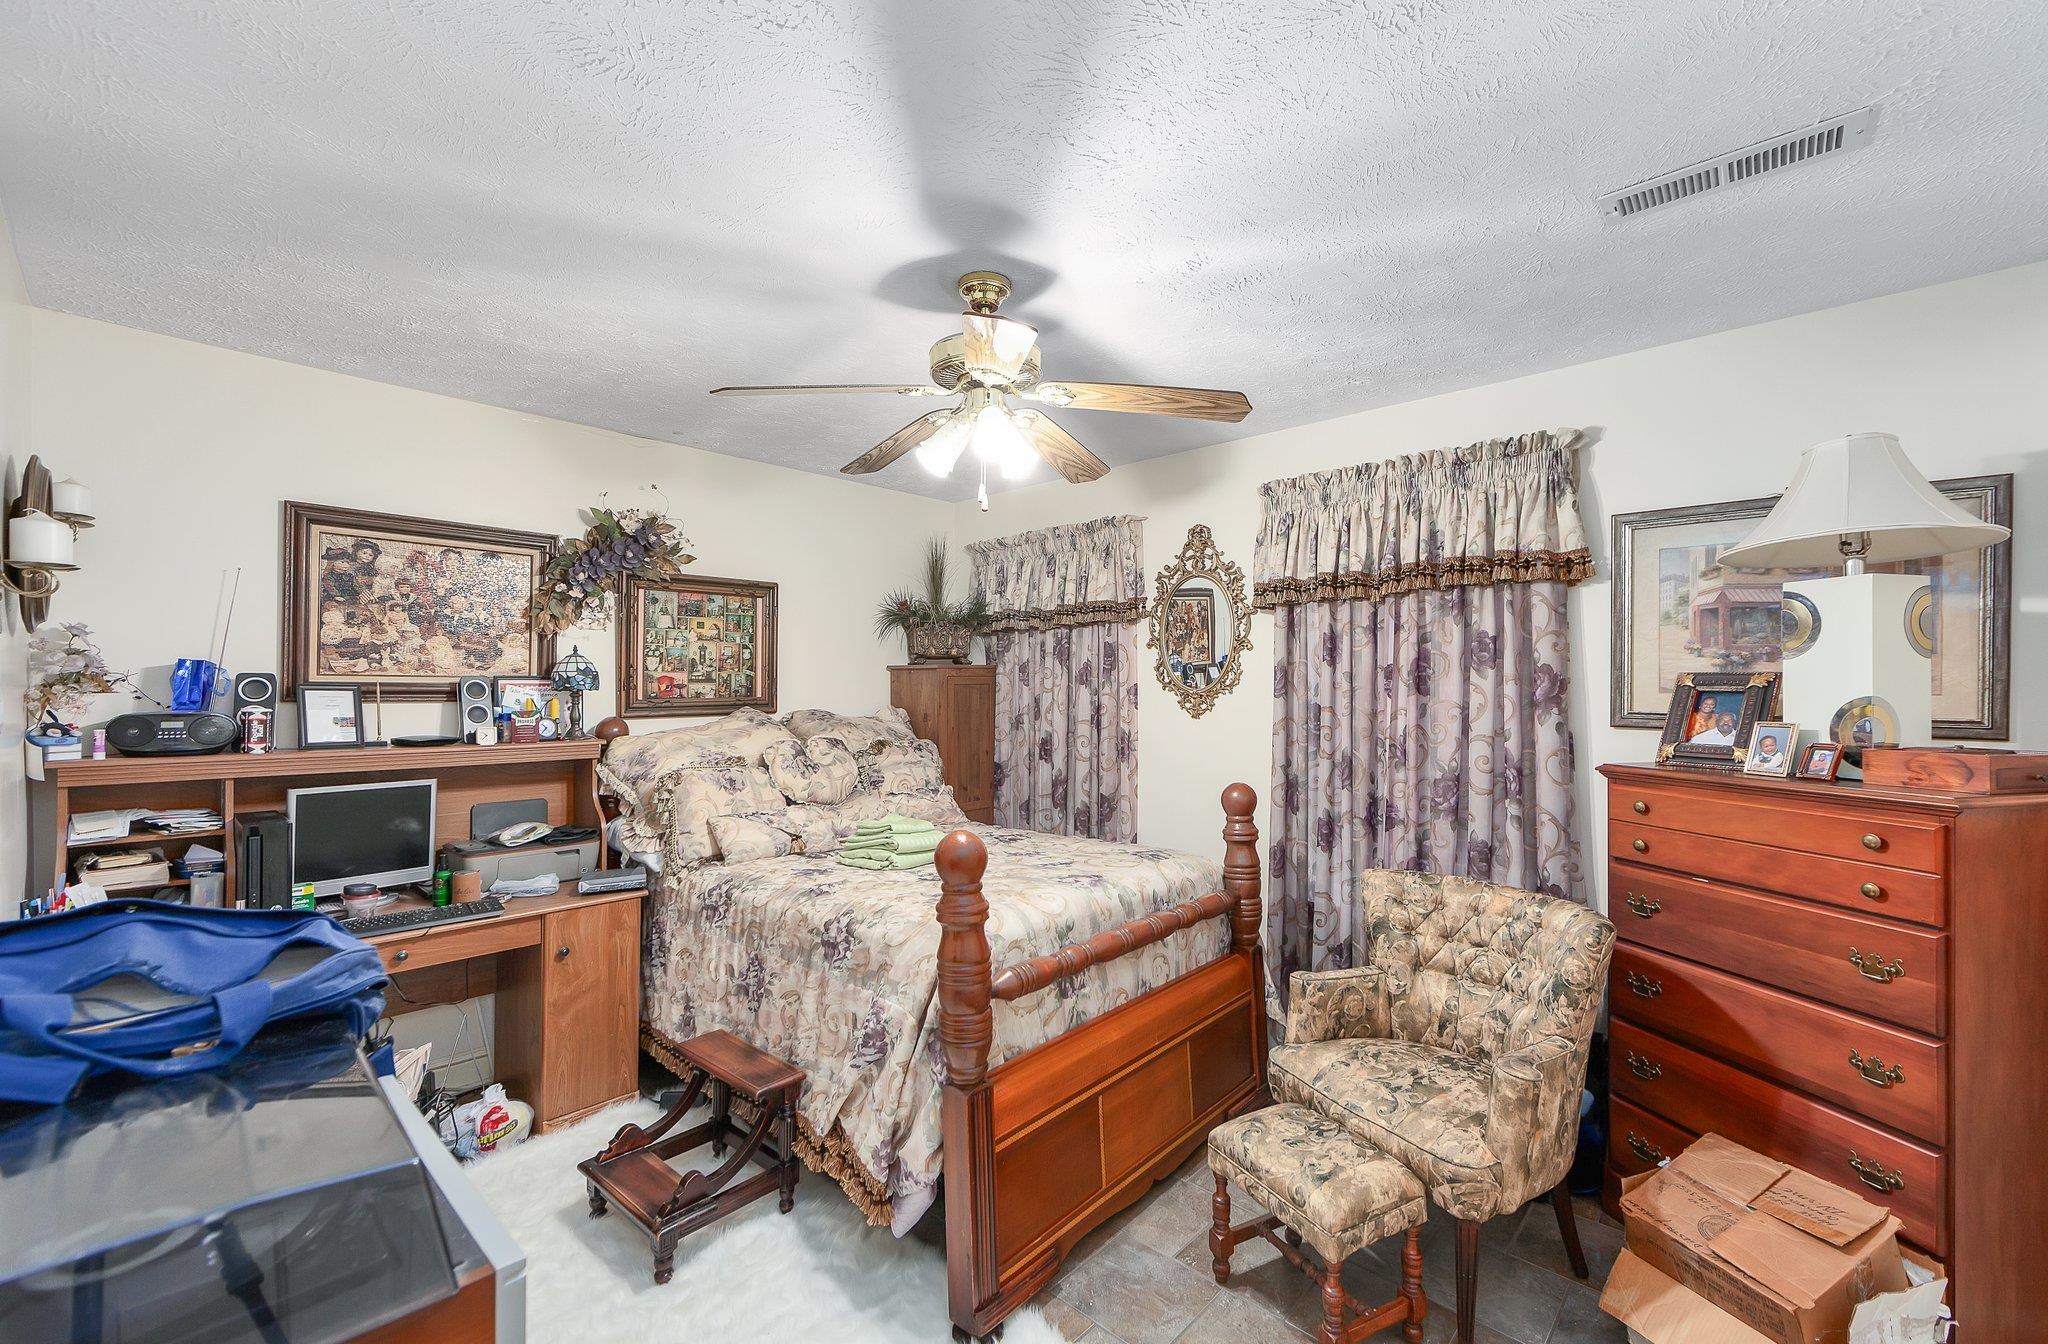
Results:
[577, 586]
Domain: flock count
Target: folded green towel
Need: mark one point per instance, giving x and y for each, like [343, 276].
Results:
[877, 860]
[900, 843]
[894, 824]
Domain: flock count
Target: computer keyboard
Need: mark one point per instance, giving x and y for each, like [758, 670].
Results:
[398, 921]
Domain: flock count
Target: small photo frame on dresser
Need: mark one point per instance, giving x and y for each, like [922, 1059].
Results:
[1820, 762]
[1713, 718]
[1772, 749]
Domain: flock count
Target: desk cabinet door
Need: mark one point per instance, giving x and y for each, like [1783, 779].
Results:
[593, 997]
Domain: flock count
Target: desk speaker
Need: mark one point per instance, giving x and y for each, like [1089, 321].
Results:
[474, 696]
[256, 690]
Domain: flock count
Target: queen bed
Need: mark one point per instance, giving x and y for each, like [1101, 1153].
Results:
[1049, 1023]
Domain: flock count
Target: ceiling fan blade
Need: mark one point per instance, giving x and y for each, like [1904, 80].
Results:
[897, 444]
[1060, 448]
[1196, 403]
[997, 345]
[900, 389]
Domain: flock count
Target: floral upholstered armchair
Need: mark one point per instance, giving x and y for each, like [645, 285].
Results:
[1460, 1047]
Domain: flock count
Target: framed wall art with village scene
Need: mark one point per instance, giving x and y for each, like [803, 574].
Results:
[1676, 610]
[404, 606]
[697, 646]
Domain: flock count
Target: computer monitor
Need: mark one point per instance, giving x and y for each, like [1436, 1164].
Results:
[343, 833]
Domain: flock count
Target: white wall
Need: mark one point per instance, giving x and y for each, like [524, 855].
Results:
[190, 448]
[1958, 371]
[14, 451]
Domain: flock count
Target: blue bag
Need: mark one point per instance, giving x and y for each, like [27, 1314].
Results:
[158, 990]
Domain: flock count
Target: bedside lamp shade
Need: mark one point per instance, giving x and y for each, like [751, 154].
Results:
[1858, 498]
[1857, 645]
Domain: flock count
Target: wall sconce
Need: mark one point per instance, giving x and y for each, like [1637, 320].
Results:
[43, 523]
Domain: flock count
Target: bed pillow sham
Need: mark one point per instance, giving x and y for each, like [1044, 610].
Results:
[887, 725]
[740, 839]
[688, 799]
[633, 767]
[820, 771]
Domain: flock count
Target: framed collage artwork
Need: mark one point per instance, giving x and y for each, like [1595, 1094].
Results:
[1677, 611]
[406, 606]
[697, 646]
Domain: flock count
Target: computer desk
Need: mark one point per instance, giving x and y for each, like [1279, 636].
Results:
[567, 981]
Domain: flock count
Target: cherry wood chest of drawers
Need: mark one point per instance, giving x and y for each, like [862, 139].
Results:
[1853, 980]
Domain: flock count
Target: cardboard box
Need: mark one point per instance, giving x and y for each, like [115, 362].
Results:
[1781, 1251]
[1655, 1308]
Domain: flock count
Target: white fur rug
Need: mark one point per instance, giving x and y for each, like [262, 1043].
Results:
[819, 1272]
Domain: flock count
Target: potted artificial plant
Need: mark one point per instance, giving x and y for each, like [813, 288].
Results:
[934, 628]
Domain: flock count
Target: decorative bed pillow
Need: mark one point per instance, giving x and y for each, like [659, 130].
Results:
[904, 767]
[689, 798]
[633, 768]
[821, 770]
[888, 725]
[742, 838]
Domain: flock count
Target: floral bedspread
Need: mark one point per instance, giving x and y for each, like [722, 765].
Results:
[835, 970]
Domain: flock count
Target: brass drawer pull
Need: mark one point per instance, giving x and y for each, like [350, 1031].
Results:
[1873, 842]
[1872, 890]
[401, 955]
[1640, 846]
[1873, 1174]
[1649, 1070]
[1649, 1152]
[1646, 906]
[1872, 966]
[1876, 1072]
[1642, 808]
[1642, 986]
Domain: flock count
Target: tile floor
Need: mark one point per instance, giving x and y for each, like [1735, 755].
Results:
[1143, 1278]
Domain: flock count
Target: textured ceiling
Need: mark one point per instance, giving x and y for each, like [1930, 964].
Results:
[598, 209]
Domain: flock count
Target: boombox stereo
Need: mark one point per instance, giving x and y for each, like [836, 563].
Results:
[170, 734]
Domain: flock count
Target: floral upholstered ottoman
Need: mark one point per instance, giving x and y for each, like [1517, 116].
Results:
[1323, 1185]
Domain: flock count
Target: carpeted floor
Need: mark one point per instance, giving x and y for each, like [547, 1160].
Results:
[817, 1273]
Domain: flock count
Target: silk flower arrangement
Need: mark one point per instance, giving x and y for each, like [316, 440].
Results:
[576, 587]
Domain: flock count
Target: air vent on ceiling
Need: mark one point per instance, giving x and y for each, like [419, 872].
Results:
[1751, 161]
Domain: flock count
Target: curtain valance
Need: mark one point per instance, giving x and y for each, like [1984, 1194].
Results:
[1077, 574]
[1505, 511]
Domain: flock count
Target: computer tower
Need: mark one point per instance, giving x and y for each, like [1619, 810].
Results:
[263, 855]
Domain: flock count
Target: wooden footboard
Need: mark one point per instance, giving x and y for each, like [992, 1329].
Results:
[1047, 1145]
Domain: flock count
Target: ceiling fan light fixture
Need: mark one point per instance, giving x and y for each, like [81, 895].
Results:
[941, 452]
[999, 443]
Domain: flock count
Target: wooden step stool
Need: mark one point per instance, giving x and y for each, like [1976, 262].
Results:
[1322, 1184]
[633, 1171]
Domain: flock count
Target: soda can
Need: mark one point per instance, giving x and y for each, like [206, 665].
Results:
[255, 730]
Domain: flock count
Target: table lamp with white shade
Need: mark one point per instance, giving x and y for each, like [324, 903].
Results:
[1857, 645]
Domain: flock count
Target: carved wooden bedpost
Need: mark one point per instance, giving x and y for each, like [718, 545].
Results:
[965, 1028]
[1247, 916]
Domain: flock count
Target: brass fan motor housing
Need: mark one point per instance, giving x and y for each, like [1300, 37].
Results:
[949, 365]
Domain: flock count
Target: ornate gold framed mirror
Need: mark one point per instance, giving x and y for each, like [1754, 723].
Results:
[1201, 624]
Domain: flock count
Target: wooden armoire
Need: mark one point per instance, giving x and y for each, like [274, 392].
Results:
[955, 706]
[1849, 979]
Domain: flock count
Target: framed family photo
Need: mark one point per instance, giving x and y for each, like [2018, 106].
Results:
[1771, 746]
[406, 605]
[1713, 718]
[1821, 760]
[1676, 610]
[697, 646]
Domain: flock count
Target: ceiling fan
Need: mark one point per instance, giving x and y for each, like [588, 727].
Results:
[992, 365]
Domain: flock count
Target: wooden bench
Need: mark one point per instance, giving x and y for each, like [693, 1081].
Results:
[633, 1171]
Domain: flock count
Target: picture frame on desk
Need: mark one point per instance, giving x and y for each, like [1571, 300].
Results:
[330, 716]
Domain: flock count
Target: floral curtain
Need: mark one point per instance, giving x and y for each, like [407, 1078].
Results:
[1066, 600]
[1422, 671]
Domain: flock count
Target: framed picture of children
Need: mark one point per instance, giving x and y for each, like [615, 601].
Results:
[407, 606]
[1713, 718]
[1821, 761]
[1771, 749]
[696, 646]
